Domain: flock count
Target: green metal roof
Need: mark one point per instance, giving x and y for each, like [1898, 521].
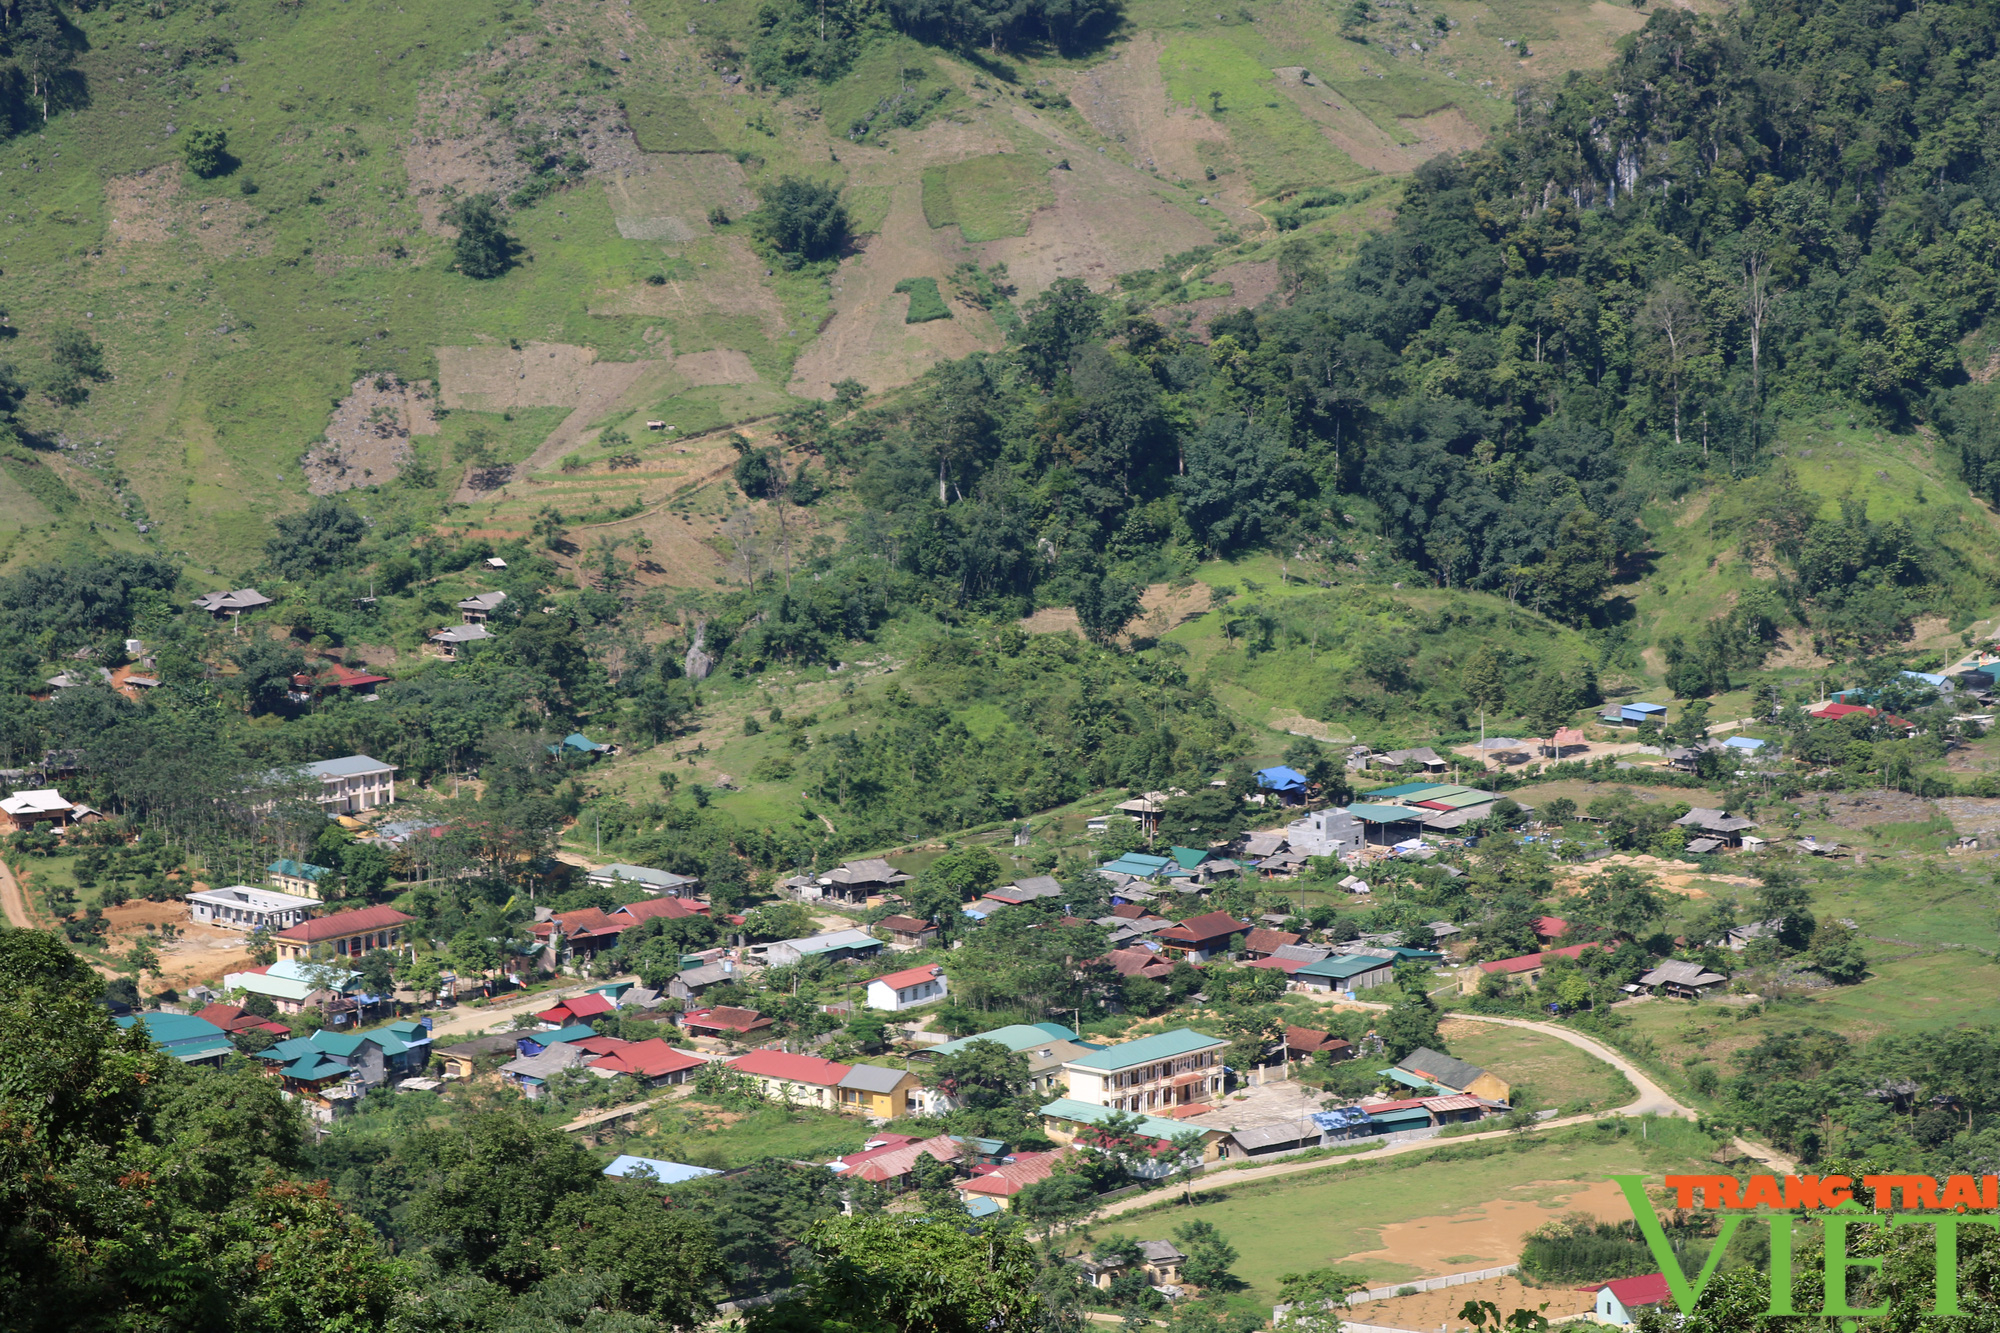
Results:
[1068, 1108]
[1384, 814]
[298, 870]
[1458, 800]
[1188, 857]
[1343, 966]
[1406, 1113]
[1408, 789]
[1160, 1046]
[1409, 1080]
[1015, 1037]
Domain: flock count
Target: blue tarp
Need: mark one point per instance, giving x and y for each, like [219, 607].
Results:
[1281, 778]
[1341, 1120]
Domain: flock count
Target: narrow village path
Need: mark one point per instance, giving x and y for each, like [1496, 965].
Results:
[14, 901]
[469, 1022]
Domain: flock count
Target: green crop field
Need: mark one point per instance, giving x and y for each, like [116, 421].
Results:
[1557, 1073]
[1318, 1218]
[987, 197]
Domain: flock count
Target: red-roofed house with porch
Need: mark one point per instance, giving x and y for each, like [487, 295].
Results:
[576, 1009]
[1002, 1183]
[1616, 1301]
[1200, 938]
[907, 989]
[724, 1019]
[1263, 942]
[344, 934]
[652, 1062]
[800, 1079]
[1528, 967]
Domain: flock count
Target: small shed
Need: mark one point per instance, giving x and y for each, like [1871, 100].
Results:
[1639, 714]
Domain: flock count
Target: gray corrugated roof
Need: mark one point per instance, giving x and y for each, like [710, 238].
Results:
[872, 1078]
[1438, 1067]
[353, 766]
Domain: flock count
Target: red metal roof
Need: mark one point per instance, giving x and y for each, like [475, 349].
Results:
[1312, 1039]
[579, 1006]
[726, 1016]
[1138, 962]
[791, 1068]
[1550, 927]
[1011, 1179]
[893, 1160]
[673, 909]
[1528, 962]
[1842, 710]
[1285, 965]
[1264, 939]
[1208, 926]
[342, 924]
[911, 976]
[600, 1045]
[651, 1058]
[1648, 1290]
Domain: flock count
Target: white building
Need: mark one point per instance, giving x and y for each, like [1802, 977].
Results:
[1177, 1068]
[353, 784]
[240, 907]
[907, 989]
[645, 877]
[1326, 833]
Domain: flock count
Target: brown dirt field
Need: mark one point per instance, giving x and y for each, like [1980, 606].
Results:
[867, 338]
[1107, 219]
[149, 207]
[1439, 1309]
[367, 439]
[1346, 126]
[721, 366]
[465, 152]
[202, 953]
[1975, 815]
[1162, 607]
[1680, 877]
[732, 286]
[1489, 1234]
[1249, 285]
[1860, 809]
[1446, 131]
[1126, 99]
[668, 200]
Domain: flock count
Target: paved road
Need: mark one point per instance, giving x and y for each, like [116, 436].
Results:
[1652, 1100]
[14, 901]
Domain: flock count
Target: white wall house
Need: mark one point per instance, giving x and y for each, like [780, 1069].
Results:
[353, 784]
[1175, 1068]
[240, 907]
[907, 989]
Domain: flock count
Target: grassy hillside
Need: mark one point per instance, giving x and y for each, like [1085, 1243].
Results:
[237, 313]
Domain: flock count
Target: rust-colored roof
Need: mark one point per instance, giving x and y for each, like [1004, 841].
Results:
[651, 1058]
[1208, 926]
[726, 1016]
[1264, 939]
[1528, 962]
[792, 1068]
[673, 909]
[1011, 1179]
[342, 924]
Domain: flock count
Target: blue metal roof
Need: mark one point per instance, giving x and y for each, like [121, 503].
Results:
[664, 1173]
[1280, 778]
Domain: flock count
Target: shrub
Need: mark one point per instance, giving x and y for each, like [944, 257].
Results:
[206, 152]
[483, 249]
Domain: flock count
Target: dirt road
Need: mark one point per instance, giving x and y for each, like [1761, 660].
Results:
[14, 901]
[468, 1022]
[1652, 1100]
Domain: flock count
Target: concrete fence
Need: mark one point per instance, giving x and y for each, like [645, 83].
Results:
[1432, 1284]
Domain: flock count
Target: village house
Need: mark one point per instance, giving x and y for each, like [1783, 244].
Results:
[1002, 1183]
[887, 1159]
[344, 934]
[28, 810]
[1309, 1043]
[576, 1009]
[476, 609]
[1159, 1260]
[907, 932]
[834, 946]
[1684, 981]
[653, 881]
[723, 1021]
[875, 1090]
[1451, 1074]
[1346, 972]
[1617, 1301]
[466, 1058]
[1527, 968]
[803, 1080]
[187, 1038]
[855, 882]
[908, 989]
[240, 907]
[306, 880]
[689, 983]
[652, 1062]
[1139, 961]
[1292, 959]
[287, 985]
[533, 1073]
[1263, 942]
[239, 602]
[329, 679]
[1069, 1121]
[232, 1019]
[1200, 938]
[1167, 1069]
[1718, 829]
[349, 786]
[452, 640]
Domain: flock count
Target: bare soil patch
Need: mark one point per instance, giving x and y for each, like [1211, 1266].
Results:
[1446, 131]
[1161, 607]
[867, 339]
[1682, 877]
[1126, 99]
[1106, 220]
[1860, 809]
[1978, 816]
[721, 366]
[151, 207]
[1487, 1235]
[1249, 286]
[1439, 1309]
[368, 438]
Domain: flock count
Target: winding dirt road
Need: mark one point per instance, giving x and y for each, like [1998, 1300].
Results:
[1652, 1100]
